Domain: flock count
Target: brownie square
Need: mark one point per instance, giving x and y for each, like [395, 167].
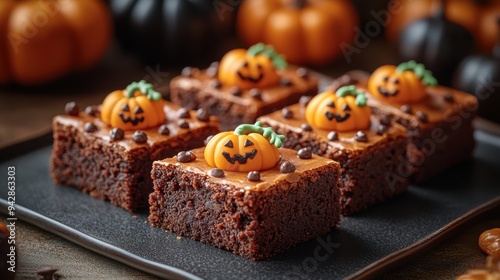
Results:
[85, 156]
[201, 89]
[255, 220]
[372, 160]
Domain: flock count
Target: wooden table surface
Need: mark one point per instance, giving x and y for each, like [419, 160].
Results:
[26, 111]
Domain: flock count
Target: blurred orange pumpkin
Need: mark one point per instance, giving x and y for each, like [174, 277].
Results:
[479, 17]
[44, 40]
[304, 31]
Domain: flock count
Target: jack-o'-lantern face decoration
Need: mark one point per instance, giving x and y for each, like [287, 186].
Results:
[344, 110]
[136, 107]
[404, 84]
[252, 68]
[247, 148]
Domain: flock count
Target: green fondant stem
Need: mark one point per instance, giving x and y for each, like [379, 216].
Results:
[351, 90]
[267, 132]
[144, 88]
[267, 50]
[419, 69]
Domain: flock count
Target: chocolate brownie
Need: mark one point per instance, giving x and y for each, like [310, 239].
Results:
[112, 164]
[255, 215]
[372, 159]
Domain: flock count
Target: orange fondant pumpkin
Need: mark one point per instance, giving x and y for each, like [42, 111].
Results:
[247, 148]
[255, 68]
[305, 31]
[404, 84]
[44, 40]
[136, 107]
[343, 110]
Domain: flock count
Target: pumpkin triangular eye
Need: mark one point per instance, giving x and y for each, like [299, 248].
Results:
[138, 110]
[245, 64]
[346, 107]
[259, 67]
[396, 81]
[125, 108]
[247, 143]
[386, 78]
[331, 105]
[229, 144]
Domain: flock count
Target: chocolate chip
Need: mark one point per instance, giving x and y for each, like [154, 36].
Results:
[361, 136]
[422, 116]
[287, 113]
[236, 91]
[91, 111]
[208, 139]
[183, 124]
[255, 93]
[304, 100]
[406, 109]
[216, 84]
[202, 115]
[386, 120]
[302, 72]
[448, 97]
[140, 137]
[305, 153]
[184, 113]
[71, 109]
[211, 72]
[306, 127]
[163, 130]
[186, 157]
[216, 172]
[116, 134]
[286, 82]
[287, 167]
[381, 129]
[90, 127]
[187, 72]
[48, 273]
[332, 136]
[253, 176]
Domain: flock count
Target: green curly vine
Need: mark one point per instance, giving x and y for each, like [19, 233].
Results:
[267, 132]
[144, 88]
[419, 69]
[351, 90]
[267, 50]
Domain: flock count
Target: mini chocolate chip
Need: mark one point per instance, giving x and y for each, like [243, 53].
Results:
[202, 115]
[422, 116]
[163, 130]
[140, 137]
[91, 111]
[216, 172]
[302, 72]
[187, 72]
[48, 273]
[116, 134]
[255, 93]
[184, 113]
[304, 100]
[90, 127]
[305, 153]
[306, 127]
[253, 176]
[287, 113]
[332, 136]
[287, 167]
[361, 136]
[406, 109]
[386, 120]
[186, 156]
[211, 72]
[286, 82]
[236, 91]
[216, 84]
[381, 129]
[448, 97]
[208, 139]
[71, 109]
[183, 124]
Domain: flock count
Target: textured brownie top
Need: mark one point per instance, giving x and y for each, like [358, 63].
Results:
[292, 118]
[268, 178]
[178, 121]
[293, 80]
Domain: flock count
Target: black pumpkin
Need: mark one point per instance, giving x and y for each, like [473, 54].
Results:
[171, 31]
[437, 43]
[480, 75]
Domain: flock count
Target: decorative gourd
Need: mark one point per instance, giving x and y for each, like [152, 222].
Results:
[478, 16]
[305, 31]
[247, 148]
[136, 107]
[404, 84]
[255, 68]
[343, 110]
[45, 40]
[480, 75]
[437, 43]
[172, 31]
[489, 242]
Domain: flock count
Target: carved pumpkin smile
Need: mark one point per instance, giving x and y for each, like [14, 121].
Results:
[239, 158]
[134, 119]
[386, 92]
[338, 117]
[249, 77]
